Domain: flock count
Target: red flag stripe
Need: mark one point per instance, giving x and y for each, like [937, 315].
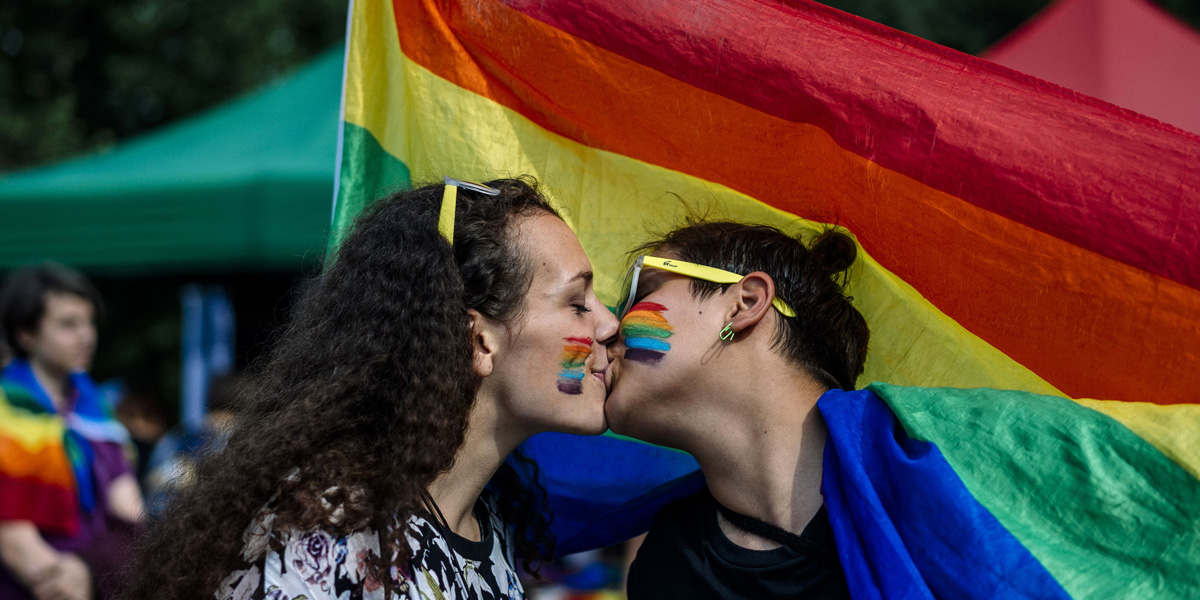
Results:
[1098, 176]
[1028, 293]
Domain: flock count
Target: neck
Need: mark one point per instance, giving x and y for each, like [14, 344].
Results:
[487, 443]
[57, 383]
[766, 460]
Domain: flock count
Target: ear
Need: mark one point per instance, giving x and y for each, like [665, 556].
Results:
[753, 295]
[486, 337]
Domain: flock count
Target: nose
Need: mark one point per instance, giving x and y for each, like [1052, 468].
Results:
[616, 344]
[615, 350]
[606, 326]
[606, 329]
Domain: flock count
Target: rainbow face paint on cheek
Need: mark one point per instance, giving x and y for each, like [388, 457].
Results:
[646, 331]
[575, 353]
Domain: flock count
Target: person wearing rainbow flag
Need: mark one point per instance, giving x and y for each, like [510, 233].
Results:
[69, 503]
[739, 345]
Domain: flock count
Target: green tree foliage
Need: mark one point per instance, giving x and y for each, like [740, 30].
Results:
[1187, 11]
[77, 75]
[973, 25]
[969, 26]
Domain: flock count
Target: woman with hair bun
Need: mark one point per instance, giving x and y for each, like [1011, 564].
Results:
[739, 345]
[452, 323]
[730, 333]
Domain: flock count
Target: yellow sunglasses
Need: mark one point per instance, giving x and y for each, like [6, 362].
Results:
[688, 269]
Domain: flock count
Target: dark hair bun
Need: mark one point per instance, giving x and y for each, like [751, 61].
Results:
[833, 252]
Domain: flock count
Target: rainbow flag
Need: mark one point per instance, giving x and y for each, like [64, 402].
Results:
[37, 481]
[46, 459]
[1013, 234]
[952, 493]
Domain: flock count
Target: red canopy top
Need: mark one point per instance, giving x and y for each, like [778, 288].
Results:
[1127, 52]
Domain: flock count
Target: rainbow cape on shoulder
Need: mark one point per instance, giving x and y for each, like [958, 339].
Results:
[953, 493]
[950, 493]
[45, 459]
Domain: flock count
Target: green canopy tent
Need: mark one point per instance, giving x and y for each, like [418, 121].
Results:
[248, 185]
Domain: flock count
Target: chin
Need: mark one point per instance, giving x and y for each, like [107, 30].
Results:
[639, 421]
[595, 428]
[587, 418]
[617, 415]
[590, 426]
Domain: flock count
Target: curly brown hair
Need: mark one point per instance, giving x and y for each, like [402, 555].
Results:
[365, 397]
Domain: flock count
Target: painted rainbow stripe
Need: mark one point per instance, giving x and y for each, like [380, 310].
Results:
[575, 354]
[646, 331]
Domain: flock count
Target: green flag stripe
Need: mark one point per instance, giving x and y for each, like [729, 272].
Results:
[368, 172]
[1103, 510]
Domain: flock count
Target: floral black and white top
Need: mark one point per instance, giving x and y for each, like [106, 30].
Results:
[316, 566]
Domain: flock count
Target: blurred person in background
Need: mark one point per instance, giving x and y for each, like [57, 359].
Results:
[141, 414]
[69, 503]
[172, 462]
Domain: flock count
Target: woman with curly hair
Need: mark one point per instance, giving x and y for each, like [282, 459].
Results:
[438, 339]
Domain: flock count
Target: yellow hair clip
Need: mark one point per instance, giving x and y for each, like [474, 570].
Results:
[450, 203]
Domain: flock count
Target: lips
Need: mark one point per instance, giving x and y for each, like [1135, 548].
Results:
[602, 375]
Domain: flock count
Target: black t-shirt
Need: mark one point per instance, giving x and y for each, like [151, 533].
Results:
[686, 555]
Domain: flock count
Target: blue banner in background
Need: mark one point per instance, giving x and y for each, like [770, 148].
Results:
[208, 346]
